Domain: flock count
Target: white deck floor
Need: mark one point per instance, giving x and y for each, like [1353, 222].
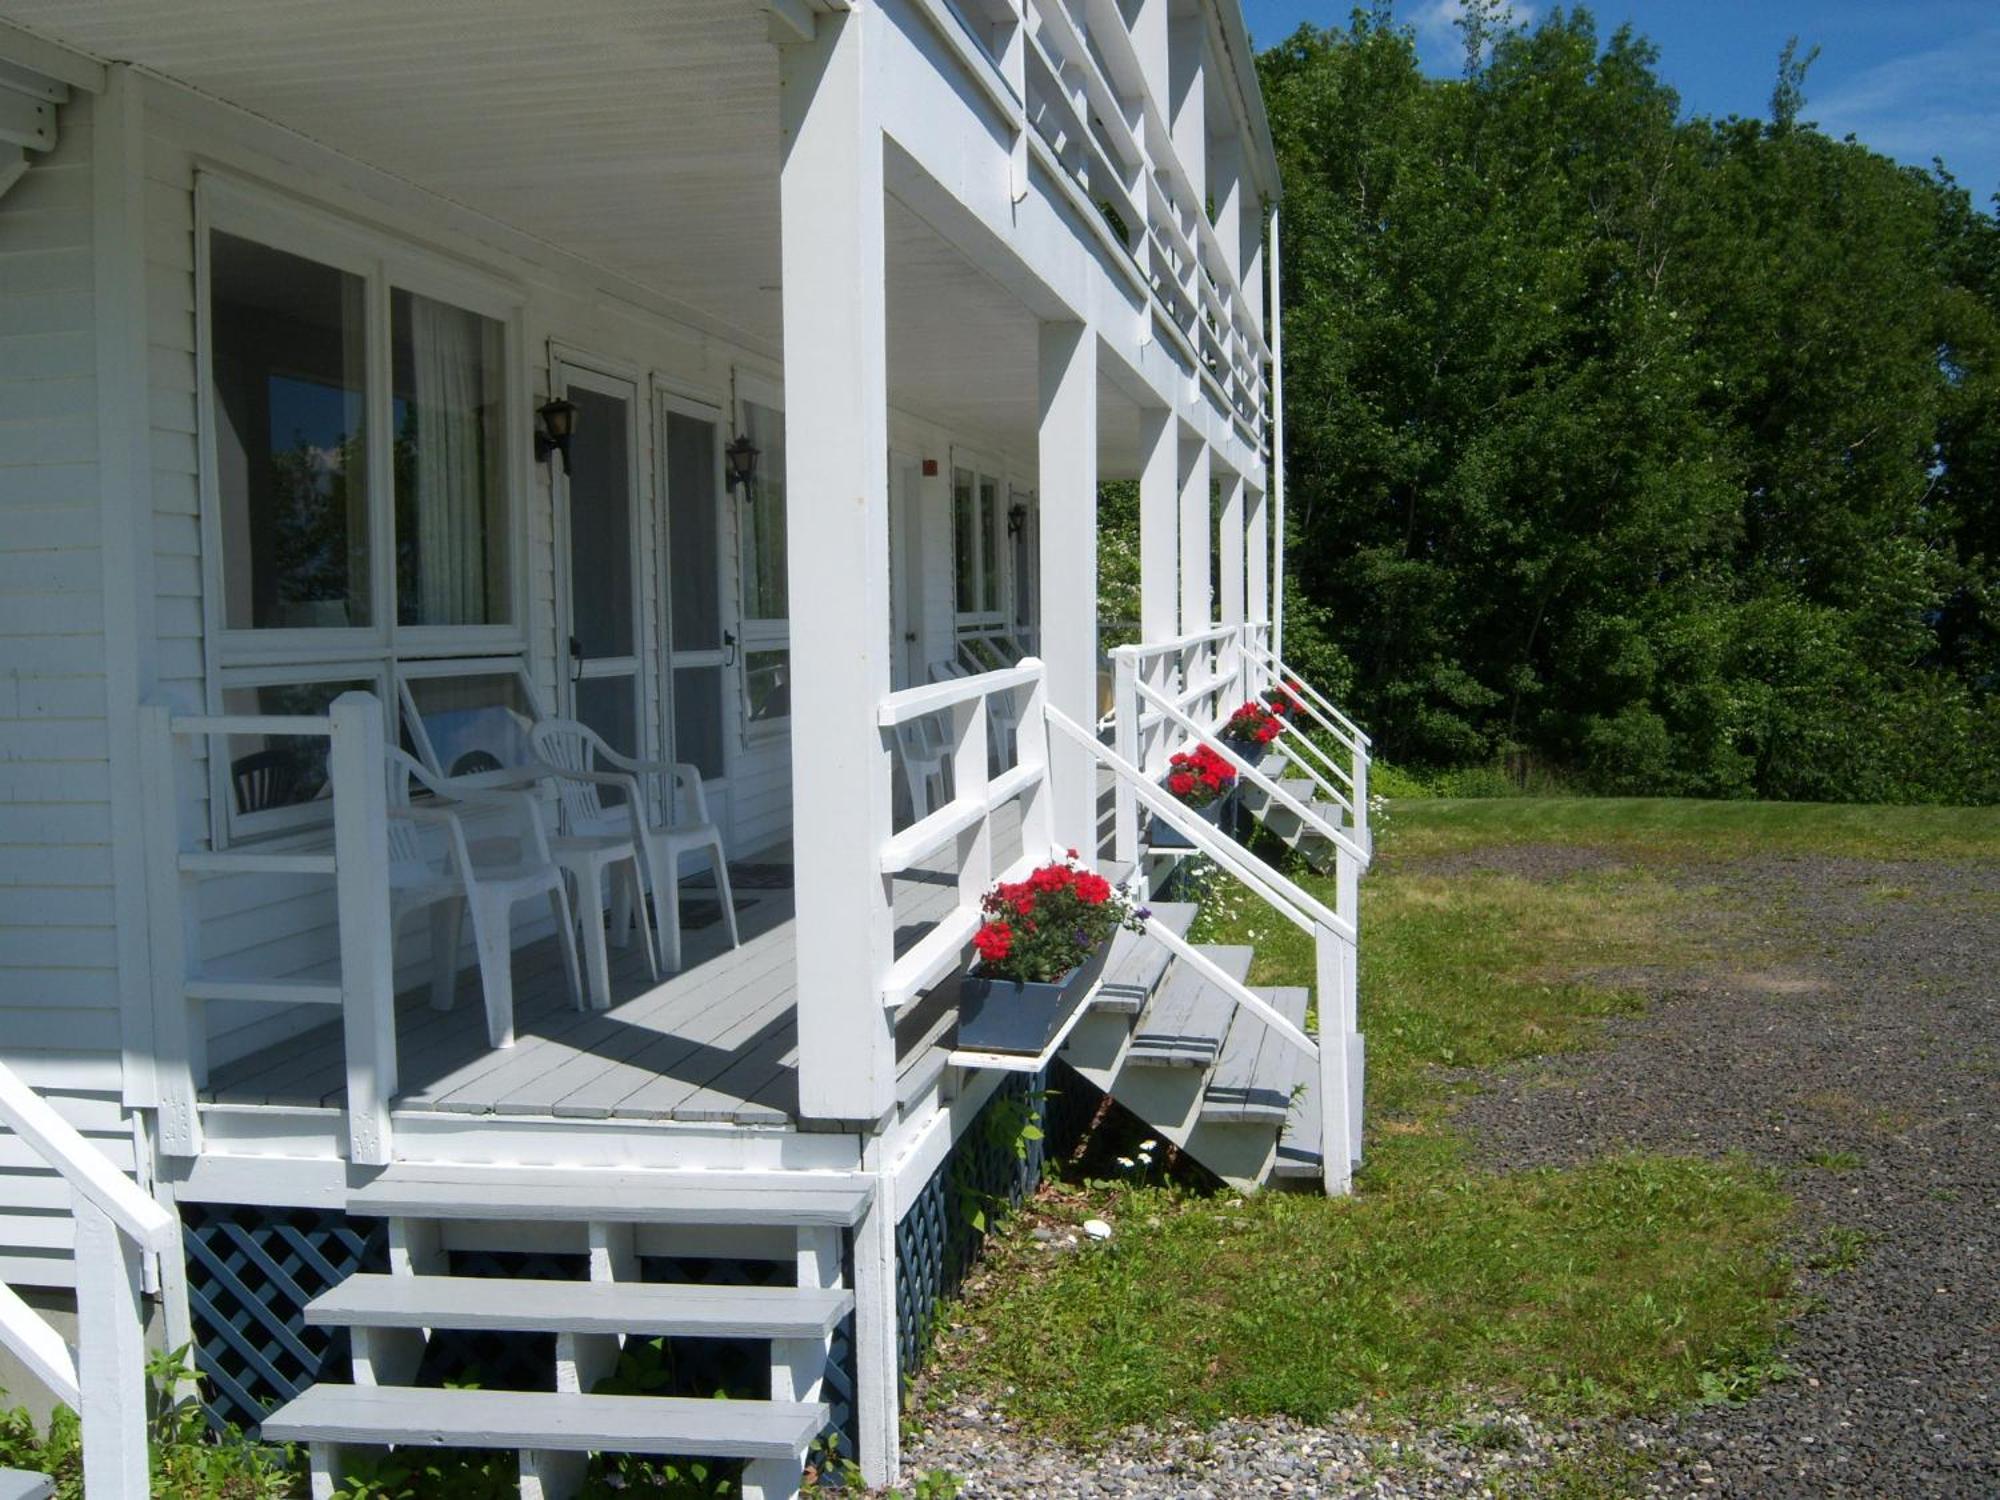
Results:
[715, 1043]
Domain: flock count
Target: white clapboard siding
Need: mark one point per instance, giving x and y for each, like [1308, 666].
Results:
[59, 1019]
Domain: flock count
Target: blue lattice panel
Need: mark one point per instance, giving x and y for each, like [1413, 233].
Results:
[251, 1272]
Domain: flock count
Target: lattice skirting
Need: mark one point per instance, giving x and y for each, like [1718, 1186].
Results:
[936, 1243]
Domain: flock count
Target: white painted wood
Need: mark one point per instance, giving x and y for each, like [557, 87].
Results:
[546, 1420]
[609, 1306]
[1231, 598]
[1333, 975]
[1067, 460]
[361, 841]
[636, 1197]
[94, 1178]
[37, 1345]
[1257, 562]
[1197, 609]
[111, 1347]
[167, 914]
[837, 509]
[1277, 444]
[18, 1484]
[1125, 739]
[878, 1384]
[1159, 524]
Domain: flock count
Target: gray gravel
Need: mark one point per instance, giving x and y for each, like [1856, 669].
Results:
[1852, 1042]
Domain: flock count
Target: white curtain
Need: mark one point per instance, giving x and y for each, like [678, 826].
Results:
[448, 346]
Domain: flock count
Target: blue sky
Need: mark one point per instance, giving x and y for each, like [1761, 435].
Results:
[1912, 78]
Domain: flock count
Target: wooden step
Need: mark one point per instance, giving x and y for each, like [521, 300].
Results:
[1299, 1158]
[526, 1306]
[561, 1422]
[19, 1484]
[1189, 1016]
[1258, 1070]
[1138, 962]
[754, 1199]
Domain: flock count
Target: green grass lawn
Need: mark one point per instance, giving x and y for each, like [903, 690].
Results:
[1630, 1284]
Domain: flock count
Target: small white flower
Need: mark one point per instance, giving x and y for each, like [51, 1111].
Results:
[1148, 1145]
[1127, 1163]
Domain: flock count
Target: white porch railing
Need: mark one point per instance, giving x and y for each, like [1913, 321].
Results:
[1299, 746]
[103, 1379]
[965, 823]
[363, 988]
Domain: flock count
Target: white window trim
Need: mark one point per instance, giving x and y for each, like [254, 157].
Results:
[995, 613]
[755, 634]
[669, 397]
[226, 824]
[424, 671]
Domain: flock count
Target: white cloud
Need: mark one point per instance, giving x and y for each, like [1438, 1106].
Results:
[1939, 102]
[1440, 43]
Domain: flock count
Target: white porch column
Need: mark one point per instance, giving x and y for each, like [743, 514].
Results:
[1277, 342]
[1257, 557]
[1231, 600]
[1067, 440]
[1197, 609]
[837, 520]
[1159, 525]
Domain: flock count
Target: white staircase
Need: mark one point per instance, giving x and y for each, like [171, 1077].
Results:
[1175, 1049]
[1284, 821]
[391, 1318]
[18, 1484]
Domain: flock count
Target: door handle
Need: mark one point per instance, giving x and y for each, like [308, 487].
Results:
[575, 659]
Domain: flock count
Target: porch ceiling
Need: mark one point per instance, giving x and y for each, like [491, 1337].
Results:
[641, 136]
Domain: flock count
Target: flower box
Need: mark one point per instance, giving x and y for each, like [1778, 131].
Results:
[1022, 1015]
[1163, 835]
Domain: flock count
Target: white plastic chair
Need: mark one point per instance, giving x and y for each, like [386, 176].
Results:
[596, 844]
[587, 761]
[924, 756]
[440, 873]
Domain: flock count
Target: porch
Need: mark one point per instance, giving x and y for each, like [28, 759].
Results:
[715, 1044]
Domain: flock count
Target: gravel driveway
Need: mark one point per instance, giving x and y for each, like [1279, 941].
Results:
[1853, 1042]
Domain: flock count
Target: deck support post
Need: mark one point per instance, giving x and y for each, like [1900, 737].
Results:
[1333, 983]
[110, 1354]
[361, 899]
[1230, 599]
[1068, 476]
[1197, 519]
[1159, 525]
[833, 257]
[877, 1362]
[1257, 566]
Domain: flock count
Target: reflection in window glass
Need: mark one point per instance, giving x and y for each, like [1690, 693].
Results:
[600, 523]
[698, 719]
[610, 706]
[288, 361]
[767, 683]
[281, 770]
[476, 723]
[692, 541]
[451, 508]
[763, 517]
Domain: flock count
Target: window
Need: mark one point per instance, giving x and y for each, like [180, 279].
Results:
[361, 457]
[978, 529]
[451, 484]
[289, 416]
[469, 717]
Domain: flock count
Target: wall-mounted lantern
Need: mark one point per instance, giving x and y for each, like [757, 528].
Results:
[740, 464]
[1017, 518]
[557, 421]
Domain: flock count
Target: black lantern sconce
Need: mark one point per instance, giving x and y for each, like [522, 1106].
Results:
[740, 464]
[558, 421]
[1017, 518]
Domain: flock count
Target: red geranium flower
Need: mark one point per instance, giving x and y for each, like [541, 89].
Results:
[994, 941]
[1180, 783]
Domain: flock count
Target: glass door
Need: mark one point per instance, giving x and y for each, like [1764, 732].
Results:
[906, 668]
[698, 649]
[598, 517]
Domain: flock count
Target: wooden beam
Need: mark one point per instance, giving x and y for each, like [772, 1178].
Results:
[1197, 607]
[1067, 440]
[834, 257]
[52, 59]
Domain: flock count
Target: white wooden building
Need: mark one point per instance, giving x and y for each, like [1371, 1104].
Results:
[850, 305]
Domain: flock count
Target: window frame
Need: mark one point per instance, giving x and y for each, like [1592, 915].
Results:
[384, 264]
[756, 635]
[990, 544]
[381, 651]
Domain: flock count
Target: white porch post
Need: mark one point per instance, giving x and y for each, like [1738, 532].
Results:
[1159, 525]
[1257, 579]
[1277, 341]
[1068, 476]
[1196, 606]
[837, 523]
[1229, 601]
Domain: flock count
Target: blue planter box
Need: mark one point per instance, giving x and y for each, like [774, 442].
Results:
[1015, 1015]
[1163, 835]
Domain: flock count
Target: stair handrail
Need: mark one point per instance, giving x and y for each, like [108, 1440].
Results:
[103, 1378]
[1330, 832]
[1335, 723]
[1335, 939]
